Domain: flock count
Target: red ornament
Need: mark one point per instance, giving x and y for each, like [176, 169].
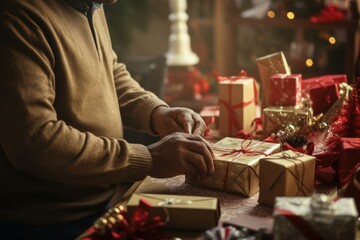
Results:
[329, 14]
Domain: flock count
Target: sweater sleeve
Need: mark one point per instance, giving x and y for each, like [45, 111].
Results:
[136, 104]
[32, 137]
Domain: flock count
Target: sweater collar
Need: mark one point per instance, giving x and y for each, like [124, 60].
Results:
[83, 6]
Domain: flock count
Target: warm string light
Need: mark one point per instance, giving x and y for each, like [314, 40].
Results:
[271, 14]
[332, 40]
[309, 62]
[290, 15]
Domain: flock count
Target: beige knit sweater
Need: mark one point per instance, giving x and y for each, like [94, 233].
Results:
[63, 98]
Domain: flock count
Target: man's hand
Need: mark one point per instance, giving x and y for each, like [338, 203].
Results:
[181, 153]
[169, 120]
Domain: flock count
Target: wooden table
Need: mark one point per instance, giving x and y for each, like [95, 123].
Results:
[232, 206]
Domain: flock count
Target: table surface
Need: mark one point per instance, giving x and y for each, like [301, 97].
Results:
[232, 206]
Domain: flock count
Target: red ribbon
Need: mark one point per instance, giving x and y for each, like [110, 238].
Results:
[140, 227]
[299, 223]
[210, 120]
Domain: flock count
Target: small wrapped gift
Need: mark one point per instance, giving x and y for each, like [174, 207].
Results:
[314, 218]
[210, 114]
[285, 90]
[286, 173]
[349, 158]
[277, 118]
[323, 93]
[237, 104]
[268, 66]
[237, 166]
[183, 212]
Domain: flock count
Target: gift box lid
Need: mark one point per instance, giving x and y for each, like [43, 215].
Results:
[229, 143]
[301, 206]
[316, 217]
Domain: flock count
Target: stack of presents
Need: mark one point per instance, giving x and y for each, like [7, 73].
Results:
[280, 142]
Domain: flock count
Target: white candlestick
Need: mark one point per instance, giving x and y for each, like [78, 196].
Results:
[179, 53]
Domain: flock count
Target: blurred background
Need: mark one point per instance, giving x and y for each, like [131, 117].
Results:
[316, 36]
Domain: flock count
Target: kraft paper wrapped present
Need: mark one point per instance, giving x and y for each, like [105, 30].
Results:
[317, 217]
[348, 159]
[277, 118]
[237, 105]
[237, 166]
[286, 173]
[183, 212]
[268, 66]
[285, 90]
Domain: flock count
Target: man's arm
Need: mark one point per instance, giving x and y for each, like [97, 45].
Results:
[34, 140]
[136, 104]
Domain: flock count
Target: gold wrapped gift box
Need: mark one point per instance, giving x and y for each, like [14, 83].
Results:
[237, 166]
[278, 118]
[183, 212]
[286, 173]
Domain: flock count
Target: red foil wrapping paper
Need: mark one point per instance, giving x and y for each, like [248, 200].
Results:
[285, 90]
[323, 93]
[349, 158]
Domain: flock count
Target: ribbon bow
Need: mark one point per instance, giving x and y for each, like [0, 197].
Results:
[115, 226]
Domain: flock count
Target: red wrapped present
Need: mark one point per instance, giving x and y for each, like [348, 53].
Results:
[352, 190]
[338, 78]
[210, 114]
[285, 90]
[326, 166]
[323, 93]
[349, 158]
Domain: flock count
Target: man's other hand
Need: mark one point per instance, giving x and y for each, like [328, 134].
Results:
[169, 120]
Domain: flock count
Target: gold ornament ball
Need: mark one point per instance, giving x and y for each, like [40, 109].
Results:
[290, 129]
[280, 134]
[323, 126]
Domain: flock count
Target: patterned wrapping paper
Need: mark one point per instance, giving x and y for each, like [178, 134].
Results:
[237, 105]
[184, 212]
[286, 173]
[285, 90]
[301, 218]
[237, 166]
[349, 158]
[277, 118]
[269, 65]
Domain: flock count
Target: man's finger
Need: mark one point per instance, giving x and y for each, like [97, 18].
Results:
[202, 147]
[187, 127]
[197, 160]
[199, 125]
[187, 123]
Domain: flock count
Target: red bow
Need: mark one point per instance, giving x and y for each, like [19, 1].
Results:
[139, 227]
